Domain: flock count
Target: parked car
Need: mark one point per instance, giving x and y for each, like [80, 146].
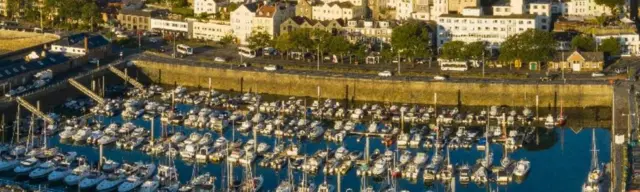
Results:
[440, 77]
[597, 74]
[272, 67]
[220, 59]
[385, 74]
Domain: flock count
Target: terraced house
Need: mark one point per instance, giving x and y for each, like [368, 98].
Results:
[295, 23]
[131, 19]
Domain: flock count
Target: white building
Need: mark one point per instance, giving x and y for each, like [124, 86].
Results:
[369, 31]
[333, 11]
[353, 2]
[629, 42]
[242, 21]
[404, 9]
[213, 30]
[586, 8]
[207, 6]
[167, 26]
[491, 29]
[269, 17]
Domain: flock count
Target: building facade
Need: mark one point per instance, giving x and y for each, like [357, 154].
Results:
[269, 17]
[332, 11]
[491, 29]
[577, 61]
[369, 31]
[207, 6]
[629, 42]
[242, 21]
[131, 19]
[213, 30]
[3, 7]
[171, 27]
[586, 8]
[304, 8]
[91, 46]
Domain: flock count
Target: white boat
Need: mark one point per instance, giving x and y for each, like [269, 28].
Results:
[403, 140]
[67, 133]
[206, 139]
[77, 174]
[220, 143]
[110, 165]
[203, 153]
[325, 187]
[59, 174]
[420, 158]
[26, 166]
[522, 168]
[405, 157]
[43, 170]
[111, 182]
[178, 137]
[81, 135]
[193, 138]
[149, 186]
[95, 136]
[189, 151]
[106, 140]
[341, 153]
[91, 180]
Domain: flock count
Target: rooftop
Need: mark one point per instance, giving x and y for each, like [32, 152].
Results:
[77, 40]
[589, 56]
[16, 67]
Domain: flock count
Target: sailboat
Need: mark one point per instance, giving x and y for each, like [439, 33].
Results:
[562, 118]
[594, 179]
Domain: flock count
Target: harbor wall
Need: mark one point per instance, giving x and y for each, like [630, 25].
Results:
[378, 90]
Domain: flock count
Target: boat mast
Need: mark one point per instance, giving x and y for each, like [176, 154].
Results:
[594, 151]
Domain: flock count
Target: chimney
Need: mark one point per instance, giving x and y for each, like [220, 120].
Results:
[86, 43]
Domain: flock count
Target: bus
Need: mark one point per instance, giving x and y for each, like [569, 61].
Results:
[247, 52]
[184, 49]
[454, 65]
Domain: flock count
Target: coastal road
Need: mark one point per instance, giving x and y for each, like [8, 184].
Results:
[623, 110]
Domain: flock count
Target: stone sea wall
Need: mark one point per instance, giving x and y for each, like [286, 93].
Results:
[380, 90]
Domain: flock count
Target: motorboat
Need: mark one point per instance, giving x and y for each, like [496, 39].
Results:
[81, 135]
[178, 137]
[420, 158]
[131, 183]
[94, 136]
[193, 138]
[77, 174]
[92, 179]
[106, 140]
[59, 173]
[111, 182]
[522, 168]
[206, 139]
[326, 187]
[8, 163]
[149, 186]
[405, 157]
[43, 170]
[26, 166]
[110, 165]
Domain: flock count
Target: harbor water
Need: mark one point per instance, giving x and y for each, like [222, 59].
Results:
[559, 162]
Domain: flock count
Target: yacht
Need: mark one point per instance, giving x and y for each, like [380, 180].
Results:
[110, 165]
[522, 168]
[206, 139]
[67, 133]
[77, 174]
[464, 173]
[594, 178]
[94, 137]
[341, 153]
[26, 166]
[106, 140]
[405, 157]
[203, 153]
[326, 187]
[415, 140]
[132, 182]
[43, 170]
[91, 180]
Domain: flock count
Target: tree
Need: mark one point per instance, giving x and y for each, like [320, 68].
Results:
[612, 4]
[610, 46]
[226, 40]
[300, 39]
[412, 39]
[583, 43]
[90, 13]
[283, 43]
[474, 50]
[338, 45]
[259, 39]
[453, 50]
[531, 45]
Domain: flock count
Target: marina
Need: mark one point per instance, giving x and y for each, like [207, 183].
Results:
[246, 142]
